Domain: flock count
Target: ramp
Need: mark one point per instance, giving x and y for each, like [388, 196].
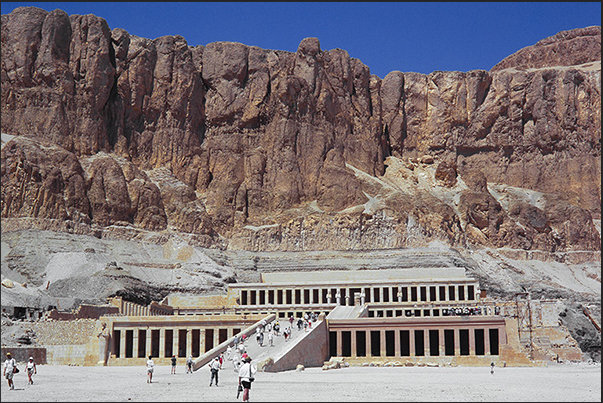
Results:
[220, 348]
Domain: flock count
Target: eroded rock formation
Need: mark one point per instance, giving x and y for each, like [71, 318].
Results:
[273, 150]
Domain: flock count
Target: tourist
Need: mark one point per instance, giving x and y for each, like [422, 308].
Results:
[236, 362]
[189, 364]
[300, 324]
[258, 334]
[31, 370]
[9, 369]
[150, 369]
[221, 357]
[229, 353]
[271, 339]
[492, 367]
[174, 361]
[246, 377]
[291, 320]
[214, 367]
[261, 340]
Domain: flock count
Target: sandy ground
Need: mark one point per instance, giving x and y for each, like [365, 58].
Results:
[556, 383]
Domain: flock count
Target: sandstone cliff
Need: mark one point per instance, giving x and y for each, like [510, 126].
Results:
[252, 149]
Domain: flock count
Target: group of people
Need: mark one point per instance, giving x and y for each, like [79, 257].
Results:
[305, 322]
[10, 369]
[241, 363]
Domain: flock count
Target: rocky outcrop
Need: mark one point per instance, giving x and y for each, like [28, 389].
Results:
[274, 150]
[567, 48]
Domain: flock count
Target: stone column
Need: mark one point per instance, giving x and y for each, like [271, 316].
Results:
[362, 297]
[189, 342]
[457, 342]
[411, 342]
[201, 342]
[472, 341]
[339, 346]
[399, 295]
[426, 342]
[347, 297]
[149, 345]
[216, 337]
[442, 342]
[381, 294]
[161, 342]
[122, 343]
[175, 341]
[136, 334]
[367, 339]
[398, 352]
[338, 297]
[353, 342]
[487, 341]
[382, 344]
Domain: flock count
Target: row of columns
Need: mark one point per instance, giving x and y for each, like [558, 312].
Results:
[162, 338]
[412, 343]
[133, 309]
[343, 295]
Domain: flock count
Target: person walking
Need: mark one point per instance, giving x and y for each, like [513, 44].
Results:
[189, 364]
[214, 367]
[246, 377]
[174, 362]
[150, 369]
[271, 339]
[31, 370]
[9, 369]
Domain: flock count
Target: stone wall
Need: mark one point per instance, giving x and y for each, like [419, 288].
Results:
[22, 354]
[72, 342]
[310, 351]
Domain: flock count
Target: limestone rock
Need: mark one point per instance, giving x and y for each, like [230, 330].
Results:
[566, 48]
[270, 150]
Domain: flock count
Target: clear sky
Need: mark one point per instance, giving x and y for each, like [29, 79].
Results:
[385, 36]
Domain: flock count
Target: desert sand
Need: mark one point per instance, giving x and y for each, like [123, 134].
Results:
[568, 382]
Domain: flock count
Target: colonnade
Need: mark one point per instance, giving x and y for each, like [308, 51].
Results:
[260, 295]
[163, 342]
[417, 341]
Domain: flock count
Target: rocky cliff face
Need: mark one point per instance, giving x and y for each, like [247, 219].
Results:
[246, 148]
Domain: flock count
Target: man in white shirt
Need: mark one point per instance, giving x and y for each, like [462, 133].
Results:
[9, 367]
[246, 376]
[150, 369]
[214, 367]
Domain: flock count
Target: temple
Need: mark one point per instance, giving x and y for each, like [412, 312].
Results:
[411, 316]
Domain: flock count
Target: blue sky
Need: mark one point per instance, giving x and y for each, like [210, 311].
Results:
[386, 36]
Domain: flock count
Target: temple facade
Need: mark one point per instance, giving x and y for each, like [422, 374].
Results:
[418, 316]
